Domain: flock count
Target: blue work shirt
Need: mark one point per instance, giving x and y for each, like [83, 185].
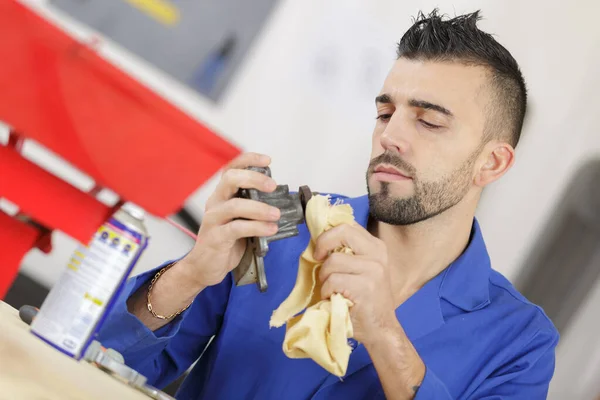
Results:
[478, 337]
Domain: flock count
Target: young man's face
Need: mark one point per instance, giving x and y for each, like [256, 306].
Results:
[427, 138]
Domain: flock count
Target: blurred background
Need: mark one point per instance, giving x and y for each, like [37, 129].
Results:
[296, 80]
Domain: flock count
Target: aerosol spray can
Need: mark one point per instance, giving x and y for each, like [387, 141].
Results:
[78, 303]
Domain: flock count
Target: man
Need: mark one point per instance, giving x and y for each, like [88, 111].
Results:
[431, 319]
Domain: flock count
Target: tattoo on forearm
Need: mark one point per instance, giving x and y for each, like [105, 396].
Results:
[416, 388]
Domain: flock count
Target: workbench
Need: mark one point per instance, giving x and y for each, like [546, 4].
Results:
[30, 369]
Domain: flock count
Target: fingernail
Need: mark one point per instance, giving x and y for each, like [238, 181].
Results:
[275, 213]
[270, 185]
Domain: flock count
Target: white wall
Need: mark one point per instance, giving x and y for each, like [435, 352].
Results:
[304, 116]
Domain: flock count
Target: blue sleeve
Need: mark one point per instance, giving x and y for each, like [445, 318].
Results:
[164, 354]
[525, 377]
[432, 388]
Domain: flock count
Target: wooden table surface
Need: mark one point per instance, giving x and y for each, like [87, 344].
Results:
[30, 369]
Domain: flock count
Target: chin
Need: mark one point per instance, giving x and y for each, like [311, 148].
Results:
[395, 190]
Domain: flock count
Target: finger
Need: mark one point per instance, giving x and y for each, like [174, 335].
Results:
[249, 159]
[340, 263]
[241, 228]
[235, 179]
[241, 208]
[354, 236]
[349, 286]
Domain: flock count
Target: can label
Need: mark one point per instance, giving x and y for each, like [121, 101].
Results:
[73, 308]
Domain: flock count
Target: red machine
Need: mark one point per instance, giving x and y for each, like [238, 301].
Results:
[62, 94]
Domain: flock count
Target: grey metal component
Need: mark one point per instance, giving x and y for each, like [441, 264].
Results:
[27, 313]
[251, 268]
[95, 347]
[115, 355]
[112, 362]
[92, 351]
[119, 370]
[155, 394]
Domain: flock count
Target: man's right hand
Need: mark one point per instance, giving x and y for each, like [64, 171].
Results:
[221, 242]
[229, 220]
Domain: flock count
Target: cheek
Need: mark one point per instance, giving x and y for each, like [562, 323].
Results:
[432, 165]
[440, 169]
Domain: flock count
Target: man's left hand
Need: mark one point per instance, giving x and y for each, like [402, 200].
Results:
[362, 277]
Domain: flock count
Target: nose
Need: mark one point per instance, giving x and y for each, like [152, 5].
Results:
[393, 138]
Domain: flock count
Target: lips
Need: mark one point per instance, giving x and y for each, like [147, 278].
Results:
[390, 171]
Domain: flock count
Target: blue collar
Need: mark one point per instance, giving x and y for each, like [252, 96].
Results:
[465, 282]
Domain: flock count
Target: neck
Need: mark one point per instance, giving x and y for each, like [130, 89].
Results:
[418, 252]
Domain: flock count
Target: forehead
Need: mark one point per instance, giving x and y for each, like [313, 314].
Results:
[460, 88]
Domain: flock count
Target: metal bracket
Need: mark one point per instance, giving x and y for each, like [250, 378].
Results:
[251, 268]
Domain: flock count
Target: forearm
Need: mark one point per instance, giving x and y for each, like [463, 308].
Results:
[174, 290]
[398, 365]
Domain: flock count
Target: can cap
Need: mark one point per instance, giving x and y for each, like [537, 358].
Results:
[133, 210]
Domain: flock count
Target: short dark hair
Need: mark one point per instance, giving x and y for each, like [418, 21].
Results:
[431, 37]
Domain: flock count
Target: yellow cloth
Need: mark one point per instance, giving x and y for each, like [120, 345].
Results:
[322, 331]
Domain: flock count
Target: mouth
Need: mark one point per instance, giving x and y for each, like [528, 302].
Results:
[388, 173]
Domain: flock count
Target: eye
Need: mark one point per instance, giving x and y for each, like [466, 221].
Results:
[428, 125]
[384, 117]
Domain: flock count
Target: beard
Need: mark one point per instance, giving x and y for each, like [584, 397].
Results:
[430, 198]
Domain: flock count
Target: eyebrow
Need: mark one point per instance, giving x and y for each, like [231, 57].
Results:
[383, 98]
[386, 99]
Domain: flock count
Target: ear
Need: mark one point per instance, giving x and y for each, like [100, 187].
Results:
[500, 158]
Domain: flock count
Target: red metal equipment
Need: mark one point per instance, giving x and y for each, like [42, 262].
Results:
[61, 93]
